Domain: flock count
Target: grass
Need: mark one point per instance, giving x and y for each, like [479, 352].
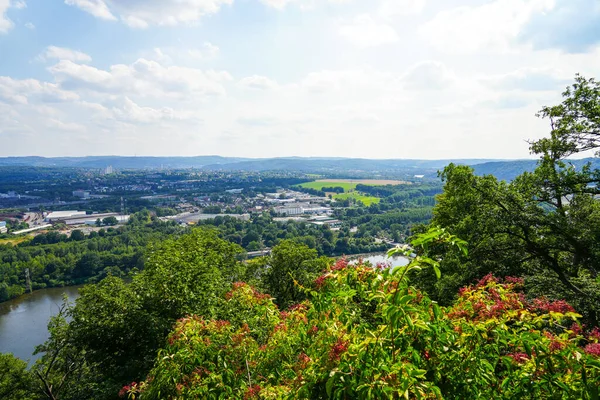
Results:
[349, 189]
[367, 200]
[318, 185]
[14, 241]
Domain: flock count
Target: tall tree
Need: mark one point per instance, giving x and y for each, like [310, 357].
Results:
[544, 224]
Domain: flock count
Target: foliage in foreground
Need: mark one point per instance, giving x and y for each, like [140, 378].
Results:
[367, 333]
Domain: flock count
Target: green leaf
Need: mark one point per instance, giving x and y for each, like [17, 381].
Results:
[329, 385]
[437, 271]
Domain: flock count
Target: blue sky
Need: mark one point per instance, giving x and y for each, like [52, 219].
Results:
[268, 78]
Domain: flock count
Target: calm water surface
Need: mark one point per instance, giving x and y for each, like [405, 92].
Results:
[23, 321]
[376, 258]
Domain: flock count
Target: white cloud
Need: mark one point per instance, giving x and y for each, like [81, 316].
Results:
[207, 51]
[5, 23]
[304, 4]
[29, 25]
[335, 80]
[159, 56]
[258, 82]
[64, 126]
[530, 79]
[279, 4]
[19, 91]
[393, 8]
[257, 120]
[63, 53]
[130, 111]
[143, 13]
[364, 31]
[428, 75]
[143, 78]
[97, 8]
[493, 26]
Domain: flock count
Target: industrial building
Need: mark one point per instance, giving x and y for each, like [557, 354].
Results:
[290, 210]
[63, 215]
[3, 228]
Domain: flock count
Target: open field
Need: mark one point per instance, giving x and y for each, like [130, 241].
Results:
[14, 241]
[371, 182]
[367, 200]
[319, 185]
[349, 184]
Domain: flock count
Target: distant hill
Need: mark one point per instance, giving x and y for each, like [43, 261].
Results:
[218, 163]
[509, 170]
[119, 162]
[339, 165]
[502, 169]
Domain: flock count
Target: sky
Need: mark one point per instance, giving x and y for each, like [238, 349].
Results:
[426, 79]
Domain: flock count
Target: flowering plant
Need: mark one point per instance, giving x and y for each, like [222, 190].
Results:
[367, 333]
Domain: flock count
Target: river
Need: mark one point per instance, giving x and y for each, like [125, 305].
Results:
[377, 258]
[24, 320]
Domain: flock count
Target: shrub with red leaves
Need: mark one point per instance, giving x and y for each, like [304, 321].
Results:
[485, 280]
[559, 306]
[337, 350]
[252, 392]
[595, 335]
[340, 264]
[320, 281]
[519, 358]
[124, 392]
[514, 281]
[593, 349]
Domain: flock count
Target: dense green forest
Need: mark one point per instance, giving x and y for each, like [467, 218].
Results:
[53, 259]
[501, 298]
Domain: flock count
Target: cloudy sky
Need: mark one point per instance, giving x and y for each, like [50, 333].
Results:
[263, 78]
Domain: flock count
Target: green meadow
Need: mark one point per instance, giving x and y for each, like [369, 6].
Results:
[319, 185]
[367, 200]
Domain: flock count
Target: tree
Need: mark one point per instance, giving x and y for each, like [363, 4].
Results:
[110, 221]
[251, 236]
[575, 123]
[544, 224]
[290, 266]
[88, 265]
[120, 325]
[77, 235]
[15, 381]
[60, 369]
[212, 210]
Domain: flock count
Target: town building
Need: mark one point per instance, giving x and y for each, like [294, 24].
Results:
[293, 209]
[3, 228]
[63, 215]
[325, 220]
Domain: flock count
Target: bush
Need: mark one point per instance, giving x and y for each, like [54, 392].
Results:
[367, 333]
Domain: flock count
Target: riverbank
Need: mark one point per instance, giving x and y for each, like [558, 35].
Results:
[24, 320]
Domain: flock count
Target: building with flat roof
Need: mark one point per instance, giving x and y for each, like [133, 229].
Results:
[62, 215]
[3, 228]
